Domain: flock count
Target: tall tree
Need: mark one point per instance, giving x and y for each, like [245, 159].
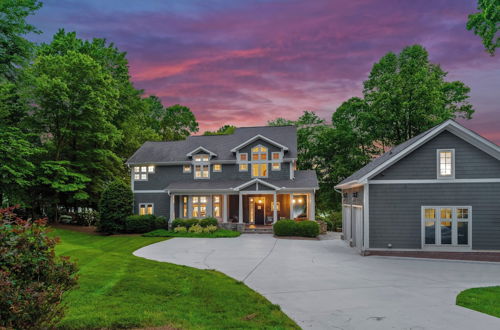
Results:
[224, 130]
[406, 94]
[486, 24]
[15, 50]
[177, 122]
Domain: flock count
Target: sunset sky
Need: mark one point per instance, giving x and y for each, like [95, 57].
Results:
[245, 62]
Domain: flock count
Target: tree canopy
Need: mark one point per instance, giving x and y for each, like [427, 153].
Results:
[486, 24]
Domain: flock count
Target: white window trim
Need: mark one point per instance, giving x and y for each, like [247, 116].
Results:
[154, 169]
[140, 172]
[259, 161]
[454, 220]
[239, 168]
[146, 206]
[214, 170]
[438, 162]
[202, 164]
[184, 168]
[238, 158]
[278, 161]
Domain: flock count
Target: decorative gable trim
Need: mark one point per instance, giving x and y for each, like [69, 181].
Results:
[257, 137]
[190, 154]
[449, 125]
[256, 181]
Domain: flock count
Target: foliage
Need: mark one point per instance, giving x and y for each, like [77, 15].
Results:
[144, 223]
[333, 219]
[288, 227]
[486, 24]
[88, 217]
[15, 51]
[485, 300]
[210, 221]
[197, 229]
[115, 205]
[32, 279]
[119, 290]
[176, 123]
[209, 229]
[183, 232]
[224, 130]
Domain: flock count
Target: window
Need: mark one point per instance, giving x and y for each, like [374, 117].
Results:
[201, 171]
[217, 168]
[259, 153]
[145, 208]
[216, 206]
[276, 166]
[141, 172]
[259, 170]
[185, 207]
[446, 226]
[243, 167]
[186, 169]
[201, 158]
[299, 207]
[199, 206]
[244, 157]
[446, 166]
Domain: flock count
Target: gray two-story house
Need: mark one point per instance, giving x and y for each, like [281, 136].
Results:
[438, 191]
[248, 177]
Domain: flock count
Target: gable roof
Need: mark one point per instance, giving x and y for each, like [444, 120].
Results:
[255, 138]
[221, 145]
[200, 148]
[398, 152]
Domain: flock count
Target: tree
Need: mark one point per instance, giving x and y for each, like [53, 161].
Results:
[406, 94]
[15, 50]
[115, 205]
[224, 130]
[177, 123]
[486, 24]
[32, 279]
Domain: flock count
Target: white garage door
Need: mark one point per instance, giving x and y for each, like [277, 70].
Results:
[357, 227]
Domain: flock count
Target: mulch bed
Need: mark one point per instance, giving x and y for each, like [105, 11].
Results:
[470, 256]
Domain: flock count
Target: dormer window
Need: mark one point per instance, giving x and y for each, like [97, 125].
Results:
[201, 158]
[446, 163]
[259, 153]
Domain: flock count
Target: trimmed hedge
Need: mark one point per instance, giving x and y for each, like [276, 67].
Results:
[188, 223]
[144, 223]
[296, 228]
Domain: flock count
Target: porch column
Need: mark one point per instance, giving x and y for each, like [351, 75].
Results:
[209, 206]
[275, 212]
[225, 206]
[312, 203]
[240, 209]
[172, 207]
[190, 206]
[291, 206]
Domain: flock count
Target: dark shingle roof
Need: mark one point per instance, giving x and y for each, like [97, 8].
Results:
[162, 152]
[303, 179]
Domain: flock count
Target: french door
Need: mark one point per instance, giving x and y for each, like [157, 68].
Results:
[446, 226]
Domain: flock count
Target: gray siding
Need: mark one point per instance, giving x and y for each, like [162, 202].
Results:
[161, 203]
[470, 162]
[395, 212]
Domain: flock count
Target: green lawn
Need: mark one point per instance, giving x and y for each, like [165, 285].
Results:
[485, 300]
[117, 290]
[169, 233]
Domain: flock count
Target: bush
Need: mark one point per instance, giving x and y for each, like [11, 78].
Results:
[209, 229]
[307, 228]
[144, 223]
[187, 223]
[209, 222]
[180, 229]
[88, 218]
[296, 228]
[197, 229]
[284, 228]
[32, 279]
[66, 219]
[333, 219]
[115, 205]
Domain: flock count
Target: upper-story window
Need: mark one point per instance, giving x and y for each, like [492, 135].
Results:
[243, 158]
[141, 172]
[201, 158]
[259, 162]
[276, 161]
[217, 168]
[446, 163]
[186, 169]
[201, 166]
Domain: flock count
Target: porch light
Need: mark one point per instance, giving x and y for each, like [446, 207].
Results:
[300, 200]
[293, 201]
[260, 201]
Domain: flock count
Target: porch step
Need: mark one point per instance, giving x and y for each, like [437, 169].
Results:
[258, 231]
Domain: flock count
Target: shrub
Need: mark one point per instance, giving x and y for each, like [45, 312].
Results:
[115, 205]
[307, 228]
[209, 222]
[209, 229]
[88, 218]
[66, 219]
[284, 228]
[32, 279]
[143, 223]
[333, 219]
[180, 229]
[187, 223]
[196, 229]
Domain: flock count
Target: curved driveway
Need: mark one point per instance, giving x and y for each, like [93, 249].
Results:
[326, 285]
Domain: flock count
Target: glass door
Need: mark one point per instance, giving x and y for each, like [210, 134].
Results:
[446, 226]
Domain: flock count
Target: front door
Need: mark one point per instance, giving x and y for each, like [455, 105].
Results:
[259, 206]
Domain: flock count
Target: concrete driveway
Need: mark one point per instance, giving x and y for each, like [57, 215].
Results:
[326, 285]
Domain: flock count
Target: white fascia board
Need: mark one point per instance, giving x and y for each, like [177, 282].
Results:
[246, 184]
[189, 154]
[256, 137]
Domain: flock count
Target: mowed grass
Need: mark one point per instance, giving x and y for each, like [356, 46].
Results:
[485, 300]
[219, 233]
[118, 290]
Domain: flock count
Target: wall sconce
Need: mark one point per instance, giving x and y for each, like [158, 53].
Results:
[293, 201]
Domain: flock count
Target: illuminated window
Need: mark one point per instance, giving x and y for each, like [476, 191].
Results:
[243, 167]
[141, 172]
[259, 153]
[276, 166]
[216, 206]
[185, 207]
[276, 155]
[259, 170]
[199, 206]
[186, 169]
[446, 226]
[200, 158]
[244, 157]
[445, 163]
[201, 171]
[217, 168]
[145, 208]
[299, 207]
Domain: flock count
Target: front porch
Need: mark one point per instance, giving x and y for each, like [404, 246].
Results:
[244, 207]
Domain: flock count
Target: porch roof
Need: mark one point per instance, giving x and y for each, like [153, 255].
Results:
[303, 180]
